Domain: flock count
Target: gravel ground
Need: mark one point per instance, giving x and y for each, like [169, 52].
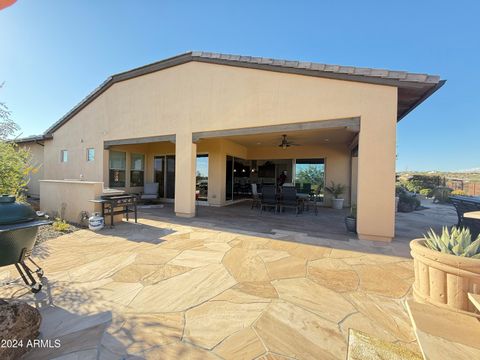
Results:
[47, 232]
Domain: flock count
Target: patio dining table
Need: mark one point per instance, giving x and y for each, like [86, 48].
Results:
[472, 215]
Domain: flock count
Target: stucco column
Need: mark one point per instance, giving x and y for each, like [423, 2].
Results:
[216, 178]
[185, 168]
[376, 175]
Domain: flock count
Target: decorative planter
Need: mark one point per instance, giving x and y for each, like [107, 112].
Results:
[444, 280]
[337, 204]
[351, 224]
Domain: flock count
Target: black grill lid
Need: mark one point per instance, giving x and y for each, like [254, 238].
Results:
[12, 212]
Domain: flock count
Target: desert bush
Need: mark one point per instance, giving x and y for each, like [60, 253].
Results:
[399, 189]
[60, 225]
[441, 194]
[407, 203]
[426, 192]
[418, 182]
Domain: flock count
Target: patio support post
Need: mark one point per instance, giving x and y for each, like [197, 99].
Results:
[376, 173]
[185, 168]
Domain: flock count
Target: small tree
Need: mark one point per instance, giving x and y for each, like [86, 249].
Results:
[15, 162]
[15, 168]
[7, 126]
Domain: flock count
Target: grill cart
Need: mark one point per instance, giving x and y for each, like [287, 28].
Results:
[18, 230]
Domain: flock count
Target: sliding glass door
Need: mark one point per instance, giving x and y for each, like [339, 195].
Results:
[164, 174]
[170, 178]
[229, 179]
[201, 182]
[159, 174]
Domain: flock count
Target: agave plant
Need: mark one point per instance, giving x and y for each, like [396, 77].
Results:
[457, 241]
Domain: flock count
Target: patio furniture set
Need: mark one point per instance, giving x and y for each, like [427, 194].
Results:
[281, 198]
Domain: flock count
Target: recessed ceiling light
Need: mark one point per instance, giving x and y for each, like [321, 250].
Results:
[327, 139]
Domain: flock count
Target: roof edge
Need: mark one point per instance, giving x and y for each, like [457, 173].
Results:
[346, 73]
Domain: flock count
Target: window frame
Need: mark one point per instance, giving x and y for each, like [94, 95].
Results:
[120, 170]
[88, 154]
[137, 171]
[63, 158]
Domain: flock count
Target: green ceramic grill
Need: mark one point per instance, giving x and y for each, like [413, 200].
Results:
[18, 230]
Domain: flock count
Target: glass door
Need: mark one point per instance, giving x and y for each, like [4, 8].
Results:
[170, 178]
[229, 179]
[159, 174]
[201, 181]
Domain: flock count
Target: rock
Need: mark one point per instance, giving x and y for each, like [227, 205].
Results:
[19, 322]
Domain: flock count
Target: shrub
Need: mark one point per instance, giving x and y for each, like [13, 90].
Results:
[15, 167]
[426, 192]
[441, 194]
[60, 225]
[457, 242]
[399, 189]
[418, 182]
[458, 193]
[407, 203]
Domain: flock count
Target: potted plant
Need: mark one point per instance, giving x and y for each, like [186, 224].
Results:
[447, 267]
[336, 190]
[351, 219]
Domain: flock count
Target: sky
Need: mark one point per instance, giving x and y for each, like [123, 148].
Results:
[54, 52]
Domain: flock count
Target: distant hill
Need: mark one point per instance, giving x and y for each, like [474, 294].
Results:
[466, 175]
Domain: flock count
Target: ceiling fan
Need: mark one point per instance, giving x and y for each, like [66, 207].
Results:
[285, 143]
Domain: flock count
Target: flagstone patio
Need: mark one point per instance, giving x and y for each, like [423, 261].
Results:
[180, 291]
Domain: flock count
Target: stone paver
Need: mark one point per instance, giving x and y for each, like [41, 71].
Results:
[180, 291]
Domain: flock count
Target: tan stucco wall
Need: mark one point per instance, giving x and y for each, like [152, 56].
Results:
[37, 153]
[200, 97]
[67, 199]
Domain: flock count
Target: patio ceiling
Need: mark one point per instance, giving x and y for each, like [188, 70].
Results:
[300, 137]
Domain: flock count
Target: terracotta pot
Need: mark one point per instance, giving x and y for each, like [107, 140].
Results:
[442, 279]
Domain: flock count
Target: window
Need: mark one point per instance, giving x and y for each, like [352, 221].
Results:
[310, 176]
[117, 166]
[137, 168]
[90, 154]
[201, 192]
[64, 156]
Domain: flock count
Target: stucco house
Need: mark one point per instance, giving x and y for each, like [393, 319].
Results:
[217, 122]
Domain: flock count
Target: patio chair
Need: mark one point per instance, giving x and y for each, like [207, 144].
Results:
[269, 198]
[307, 188]
[150, 192]
[256, 201]
[313, 202]
[289, 199]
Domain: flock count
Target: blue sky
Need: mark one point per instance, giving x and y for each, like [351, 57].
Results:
[54, 52]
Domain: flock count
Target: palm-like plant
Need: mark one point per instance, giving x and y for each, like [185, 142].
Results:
[335, 189]
[457, 241]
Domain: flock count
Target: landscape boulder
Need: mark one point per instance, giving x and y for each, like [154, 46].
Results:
[19, 324]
